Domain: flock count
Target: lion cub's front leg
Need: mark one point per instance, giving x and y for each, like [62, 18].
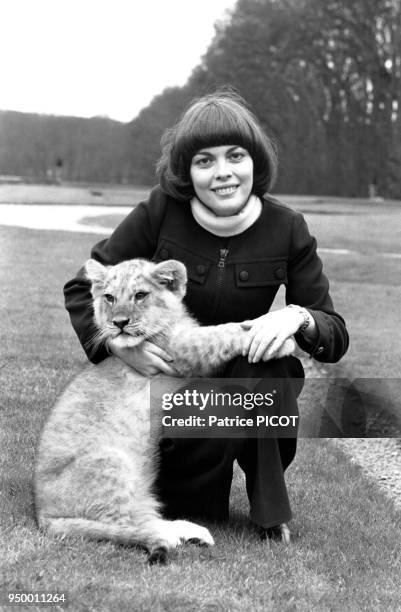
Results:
[201, 351]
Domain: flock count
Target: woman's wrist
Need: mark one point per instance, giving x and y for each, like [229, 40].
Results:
[307, 324]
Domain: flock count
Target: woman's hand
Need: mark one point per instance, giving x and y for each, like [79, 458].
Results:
[147, 358]
[268, 333]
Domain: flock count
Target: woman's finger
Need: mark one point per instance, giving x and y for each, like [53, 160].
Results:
[261, 350]
[258, 346]
[276, 345]
[253, 331]
[246, 344]
[157, 351]
[255, 340]
[269, 354]
[253, 343]
[165, 367]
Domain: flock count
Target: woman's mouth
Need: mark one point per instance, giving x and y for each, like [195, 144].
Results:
[229, 189]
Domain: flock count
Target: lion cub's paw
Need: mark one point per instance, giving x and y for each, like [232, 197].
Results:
[191, 532]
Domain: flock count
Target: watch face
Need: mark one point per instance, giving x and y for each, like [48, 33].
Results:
[304, 326]
[304, 313]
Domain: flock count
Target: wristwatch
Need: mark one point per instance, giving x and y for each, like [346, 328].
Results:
[304, 314]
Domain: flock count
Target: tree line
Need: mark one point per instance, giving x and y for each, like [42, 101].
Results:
[47, 147]
[324, 78]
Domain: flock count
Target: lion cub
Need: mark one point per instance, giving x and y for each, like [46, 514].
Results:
[97, 462]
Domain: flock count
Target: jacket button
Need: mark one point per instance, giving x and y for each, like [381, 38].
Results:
[201, 269]
[243, 275]
[319, 350]
[279, 273]
[164, 254]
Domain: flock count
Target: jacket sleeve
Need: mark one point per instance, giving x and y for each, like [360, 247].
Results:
[309, 287]
[136, 236]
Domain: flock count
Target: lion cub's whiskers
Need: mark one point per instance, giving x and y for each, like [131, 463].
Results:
[98, 338]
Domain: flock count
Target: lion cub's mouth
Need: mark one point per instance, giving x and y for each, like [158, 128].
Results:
[134, 334]
[128, 339]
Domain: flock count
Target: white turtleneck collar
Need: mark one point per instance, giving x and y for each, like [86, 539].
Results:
[227, 226]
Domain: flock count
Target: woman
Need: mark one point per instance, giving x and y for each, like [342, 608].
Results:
[239, 246]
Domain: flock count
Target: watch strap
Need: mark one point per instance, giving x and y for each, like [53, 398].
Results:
[305, 315]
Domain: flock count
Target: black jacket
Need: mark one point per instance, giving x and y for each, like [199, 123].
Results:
[229, 279]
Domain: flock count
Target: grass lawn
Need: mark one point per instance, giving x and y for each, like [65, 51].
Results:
[346, 551]
[366, 291]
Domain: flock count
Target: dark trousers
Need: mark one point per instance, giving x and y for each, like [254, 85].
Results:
[195, 474]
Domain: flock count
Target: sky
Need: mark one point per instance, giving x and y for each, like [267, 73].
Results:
[99, 57]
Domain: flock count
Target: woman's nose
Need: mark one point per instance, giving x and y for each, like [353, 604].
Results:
[223, 169]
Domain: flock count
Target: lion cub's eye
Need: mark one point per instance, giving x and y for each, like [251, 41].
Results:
[141, 295]
[109, 298]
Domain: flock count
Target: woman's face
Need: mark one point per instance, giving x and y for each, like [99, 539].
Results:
[222, 178]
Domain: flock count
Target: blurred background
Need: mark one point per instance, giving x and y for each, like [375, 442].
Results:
[88, 88]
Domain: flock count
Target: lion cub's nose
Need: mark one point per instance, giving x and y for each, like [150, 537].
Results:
[120, 323]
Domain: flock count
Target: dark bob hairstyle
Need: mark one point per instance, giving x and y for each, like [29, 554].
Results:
[217, 119]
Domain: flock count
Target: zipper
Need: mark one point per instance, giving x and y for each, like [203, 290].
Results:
[221, 266]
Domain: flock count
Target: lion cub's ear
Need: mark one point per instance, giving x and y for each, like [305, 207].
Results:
[173, 275]
[96, 272]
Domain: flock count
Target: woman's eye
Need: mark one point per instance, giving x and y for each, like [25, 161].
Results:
[109, 298]
[237, 156]
[203, 162]
[141, 295]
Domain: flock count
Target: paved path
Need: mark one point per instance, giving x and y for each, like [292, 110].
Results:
[59, 217]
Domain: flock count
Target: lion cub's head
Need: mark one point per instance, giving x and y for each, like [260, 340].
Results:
[136, 299]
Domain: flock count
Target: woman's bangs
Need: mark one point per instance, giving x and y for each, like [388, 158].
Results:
[212, 128]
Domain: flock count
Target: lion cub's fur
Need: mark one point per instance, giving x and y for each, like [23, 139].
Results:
[96, 463]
